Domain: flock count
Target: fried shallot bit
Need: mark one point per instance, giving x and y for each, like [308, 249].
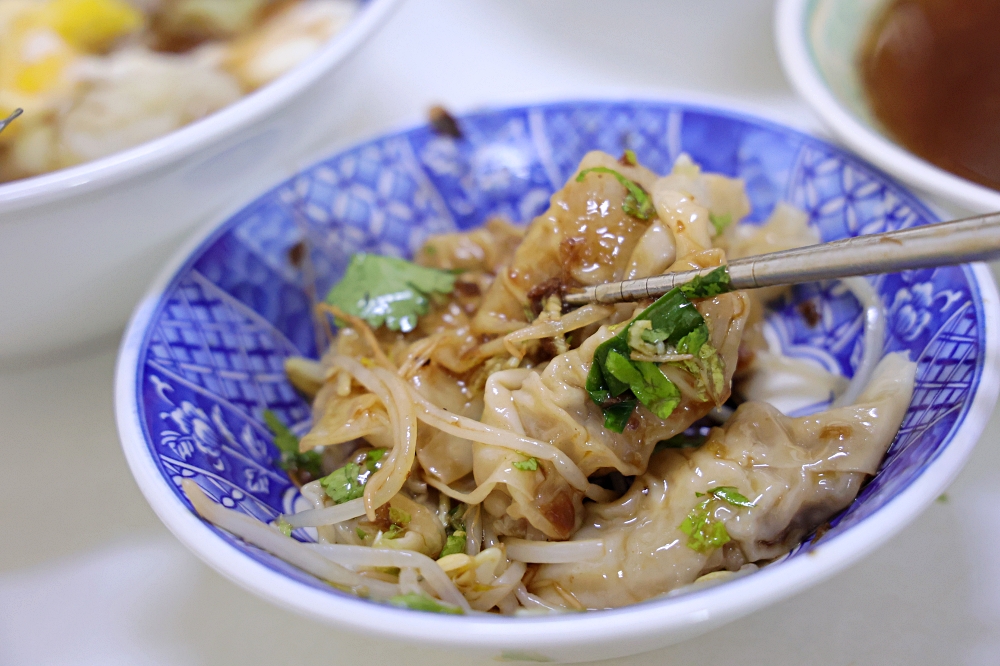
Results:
[444, 123]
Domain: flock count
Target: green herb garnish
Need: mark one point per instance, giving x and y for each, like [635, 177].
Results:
[732, 495]
[454, 528]
[674, 319]
[455, 517]
[399, 517]
[292, 460]
[637, 202]
[422, 602]
[455, 544]
[705, 533]
[390, 291]
[361, 533]
[720, 222]
[283, 526]
[629, 158]
[617, 414]
[348, 482]
[705, 286]
[344, 483]
[680, 441]
[529, 465]
[373, 459]
[647, 383]
[693, 341]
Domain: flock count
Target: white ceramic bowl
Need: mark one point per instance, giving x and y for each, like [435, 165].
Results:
[203, 354]
[818, 42]
[79, 246]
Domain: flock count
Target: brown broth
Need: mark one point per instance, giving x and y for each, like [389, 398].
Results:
[931, 71]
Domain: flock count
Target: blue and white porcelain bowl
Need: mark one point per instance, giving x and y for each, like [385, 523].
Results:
[202, 358]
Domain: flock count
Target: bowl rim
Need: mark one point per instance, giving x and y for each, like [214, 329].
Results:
[187, 140]
[794, 52]
[692, 613]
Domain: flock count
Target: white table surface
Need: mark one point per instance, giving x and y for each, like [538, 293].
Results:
[81, 583]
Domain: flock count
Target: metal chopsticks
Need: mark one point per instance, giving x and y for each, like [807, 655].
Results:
[945, 243]
[9, 119]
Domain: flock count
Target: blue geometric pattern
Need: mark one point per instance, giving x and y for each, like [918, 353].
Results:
[211, 360]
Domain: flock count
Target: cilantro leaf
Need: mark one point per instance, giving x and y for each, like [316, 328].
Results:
[693, 341]
[348, 482]
[455, 530]
[673, 318]
[454, 545]
[732, 495]
[654, 336]
[720, 222]
[648, 383]
[637, 202]
[422, 602]
[284, 439]
[703, 532]
[373, 460]
[292, 461]
[390, 291]
[705, 286]
[680, 441]
[344, 483]
[283, 526]
[399, 517]
[616, 415]
[710, 358]
[529, 465]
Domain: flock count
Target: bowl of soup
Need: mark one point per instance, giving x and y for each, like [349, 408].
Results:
[140, 119]
[911, 85]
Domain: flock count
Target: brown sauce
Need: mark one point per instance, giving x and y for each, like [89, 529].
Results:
[931, 70]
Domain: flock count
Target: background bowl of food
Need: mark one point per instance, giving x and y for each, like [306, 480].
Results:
[139, 120]
[906, 84]
[320, 419]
